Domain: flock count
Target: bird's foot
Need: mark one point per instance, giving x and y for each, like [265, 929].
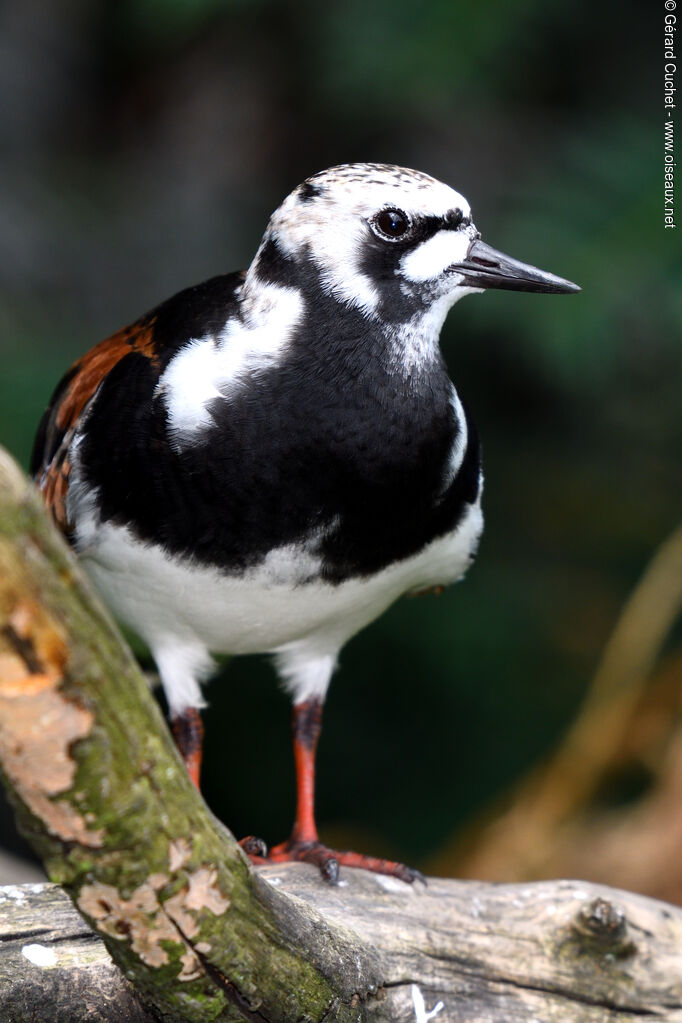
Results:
[255, 848]
[329, 860]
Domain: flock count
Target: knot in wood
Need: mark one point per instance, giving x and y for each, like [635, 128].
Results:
[599, 930]
[602, 921]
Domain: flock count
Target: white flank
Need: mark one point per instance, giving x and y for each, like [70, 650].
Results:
[183, 610]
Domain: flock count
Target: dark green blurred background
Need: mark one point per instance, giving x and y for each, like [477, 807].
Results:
[144, 144]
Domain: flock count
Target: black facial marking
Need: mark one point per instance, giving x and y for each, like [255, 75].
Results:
[428, 225]
[453, 220]
[380, 261]
[273, 266]
[421, 228]
[308, 191]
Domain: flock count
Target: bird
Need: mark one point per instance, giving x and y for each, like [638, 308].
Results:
[266, 461]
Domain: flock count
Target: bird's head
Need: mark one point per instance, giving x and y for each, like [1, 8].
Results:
[388, 241]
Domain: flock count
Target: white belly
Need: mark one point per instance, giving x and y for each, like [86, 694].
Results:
[266, 608]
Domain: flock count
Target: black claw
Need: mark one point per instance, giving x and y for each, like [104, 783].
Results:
[330, 870]
[410, 875]
[254, 846]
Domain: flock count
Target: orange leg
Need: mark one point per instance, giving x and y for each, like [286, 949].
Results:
[188, 729]
[306, 726]
[304, 843]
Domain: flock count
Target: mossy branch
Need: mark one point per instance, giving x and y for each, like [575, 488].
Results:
[102, 796]
[104, 799]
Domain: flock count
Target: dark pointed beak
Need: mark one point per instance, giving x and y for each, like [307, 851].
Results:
[485, 267]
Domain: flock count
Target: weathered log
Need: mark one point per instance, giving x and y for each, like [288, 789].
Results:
[565, 951]
[101, 794]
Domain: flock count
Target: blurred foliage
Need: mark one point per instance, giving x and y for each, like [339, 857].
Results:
[143, 148]
[600, 805]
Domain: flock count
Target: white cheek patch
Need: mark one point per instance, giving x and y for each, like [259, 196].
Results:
[211, 368]
[430, 259]
[346, 284]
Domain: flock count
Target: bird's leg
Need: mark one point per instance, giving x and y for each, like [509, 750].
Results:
[306, 725]
[188, 729]
[304, 843]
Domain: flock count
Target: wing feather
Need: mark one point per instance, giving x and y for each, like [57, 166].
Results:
[50, 463]
[157, 336]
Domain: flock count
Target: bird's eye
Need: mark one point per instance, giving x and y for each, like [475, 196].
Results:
[391, 224]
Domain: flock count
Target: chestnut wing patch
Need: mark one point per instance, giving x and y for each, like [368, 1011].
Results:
[50, 463]
[195, 312]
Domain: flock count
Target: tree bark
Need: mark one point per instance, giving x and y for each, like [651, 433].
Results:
[199, 935]
[565, 951]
